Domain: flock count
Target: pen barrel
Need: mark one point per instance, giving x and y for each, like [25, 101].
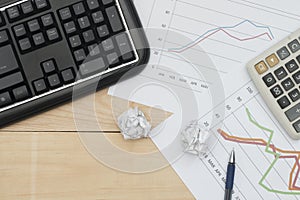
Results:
[228, 195]
[230, 176]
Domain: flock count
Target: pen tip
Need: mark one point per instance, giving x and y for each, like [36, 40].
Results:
[232, 157]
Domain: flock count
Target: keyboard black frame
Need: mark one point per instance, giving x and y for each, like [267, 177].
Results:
[65, 95]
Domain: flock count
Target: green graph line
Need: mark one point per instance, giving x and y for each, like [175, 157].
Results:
[270, 151]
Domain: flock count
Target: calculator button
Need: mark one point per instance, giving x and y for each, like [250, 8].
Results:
[294, 95]
[293, 113]
[284, 102]
[272, 60]
[296, 126]
[292, 66]
[283, 53]
[280, 73]
[269, 80]
[287, 84]
[294, 46]
[296, 77]
[261, 67]
[276, 91]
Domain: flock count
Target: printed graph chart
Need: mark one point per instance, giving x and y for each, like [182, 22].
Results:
[268, 160]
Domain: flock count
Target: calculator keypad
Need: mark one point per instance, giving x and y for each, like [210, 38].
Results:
[280, 74]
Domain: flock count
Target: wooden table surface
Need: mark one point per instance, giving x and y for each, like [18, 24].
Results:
[43, 158]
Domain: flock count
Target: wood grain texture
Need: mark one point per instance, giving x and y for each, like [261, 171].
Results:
[43, 158]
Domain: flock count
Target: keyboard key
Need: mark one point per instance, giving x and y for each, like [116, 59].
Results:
[114, 19]
[65, 14]
[54, 81]
[296, 77]
[8, 60]
[294, 95]
[93, 4]
[40, 86]
[293, 113]
[27, 7]
[294, 46]
[284, 102]
[276, 91]
[78, 8]
[11, 80]
[102, 31]
[3, 37]
[80, 55]
[52, 34]
[283, 53]
[21, 93]
[5, 99]
[296, 126]
[47, 20]
[97, 65]
[113, 58]
[41, 4]
[75, 41]
[33, 25]
[13, 12]
[48, 66]
[105, 2]
[280, 73]
[97, 17]
[38, 39]
[84, 22]
[124, 46]
[287, 84]
[19, 30]
[70, 27]
[88, 36]
[25, 44]
[269, 80]
[292, 66]
[272, 60]
[108, 45]
[94, 50]
[68, 76]
[2, 22]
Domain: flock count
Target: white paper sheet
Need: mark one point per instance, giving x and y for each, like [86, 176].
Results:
[231, 32]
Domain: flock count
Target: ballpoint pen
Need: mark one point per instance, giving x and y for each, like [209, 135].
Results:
[230, 176]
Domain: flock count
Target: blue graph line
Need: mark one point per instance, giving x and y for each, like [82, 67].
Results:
[225, 27]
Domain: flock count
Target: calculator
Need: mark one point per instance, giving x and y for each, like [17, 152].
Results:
[276, 74]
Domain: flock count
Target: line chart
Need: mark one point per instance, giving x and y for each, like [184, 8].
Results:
[273, 150]
[225, 29]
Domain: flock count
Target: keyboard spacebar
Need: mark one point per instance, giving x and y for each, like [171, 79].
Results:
[11, 80]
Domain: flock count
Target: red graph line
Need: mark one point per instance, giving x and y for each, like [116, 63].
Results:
[227, 33]
[261, 142]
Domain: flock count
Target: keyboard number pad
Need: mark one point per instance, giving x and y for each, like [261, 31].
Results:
[94, 31]
[36, 33]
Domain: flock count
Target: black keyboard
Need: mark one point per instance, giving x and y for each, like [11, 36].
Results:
[49, 46]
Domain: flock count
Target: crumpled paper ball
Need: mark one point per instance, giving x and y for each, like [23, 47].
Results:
[133, 124]
[194, 138]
